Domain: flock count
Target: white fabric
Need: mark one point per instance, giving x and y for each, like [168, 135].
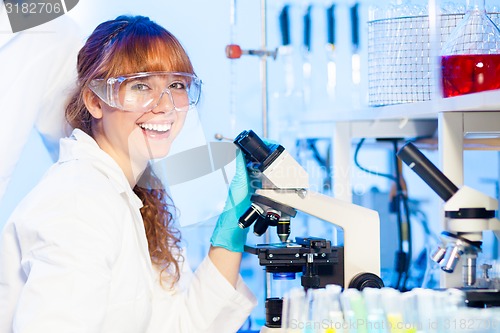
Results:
[38, 67]
[74, 258]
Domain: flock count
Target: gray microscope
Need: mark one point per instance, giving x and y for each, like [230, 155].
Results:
[282, 190]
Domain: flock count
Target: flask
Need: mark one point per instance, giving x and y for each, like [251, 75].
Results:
[470, 58]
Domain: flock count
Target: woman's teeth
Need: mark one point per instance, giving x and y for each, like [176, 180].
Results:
[156, 127]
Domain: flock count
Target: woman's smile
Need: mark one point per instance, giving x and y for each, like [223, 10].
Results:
[156, 130]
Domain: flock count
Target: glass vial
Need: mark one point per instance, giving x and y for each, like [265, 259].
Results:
[471, 55]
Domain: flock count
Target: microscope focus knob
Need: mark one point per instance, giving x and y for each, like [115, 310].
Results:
[310, 281]
[366, 280]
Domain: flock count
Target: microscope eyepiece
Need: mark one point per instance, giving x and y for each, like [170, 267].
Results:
[252, 146]
[429, 173]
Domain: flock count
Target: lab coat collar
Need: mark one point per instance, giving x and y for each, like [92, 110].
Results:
[81, 146]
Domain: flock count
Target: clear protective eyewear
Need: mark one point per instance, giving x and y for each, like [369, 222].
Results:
[142, 92]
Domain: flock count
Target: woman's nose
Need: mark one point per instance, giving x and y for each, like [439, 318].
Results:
[165, 103]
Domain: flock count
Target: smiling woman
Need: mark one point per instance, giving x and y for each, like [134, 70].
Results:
[95, 245]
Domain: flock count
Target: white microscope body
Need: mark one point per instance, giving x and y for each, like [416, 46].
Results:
[462, 251]
[468, 213]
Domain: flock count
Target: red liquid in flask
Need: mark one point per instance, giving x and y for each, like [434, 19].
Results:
[466, 74]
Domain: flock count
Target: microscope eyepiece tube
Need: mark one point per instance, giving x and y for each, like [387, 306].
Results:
[252, 146]
[429, 173]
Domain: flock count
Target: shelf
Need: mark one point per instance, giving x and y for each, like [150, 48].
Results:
[381, 128]
[484, 101]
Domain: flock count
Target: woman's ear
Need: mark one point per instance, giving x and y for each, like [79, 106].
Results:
[93, 103]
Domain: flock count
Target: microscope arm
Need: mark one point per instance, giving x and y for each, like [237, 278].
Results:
[361, 226]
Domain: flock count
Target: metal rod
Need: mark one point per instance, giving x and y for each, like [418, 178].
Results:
[263, 68]
[265, 125]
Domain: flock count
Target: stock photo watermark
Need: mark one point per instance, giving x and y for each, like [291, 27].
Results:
[24, 14]
[447, 324]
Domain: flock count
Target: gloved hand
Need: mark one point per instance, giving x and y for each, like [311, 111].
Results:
[227, 233]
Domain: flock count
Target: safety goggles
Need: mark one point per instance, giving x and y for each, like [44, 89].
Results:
[142, 92]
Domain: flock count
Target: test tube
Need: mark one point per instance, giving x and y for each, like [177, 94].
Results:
[354, 311]
[410, 312]
[391, 301]
[294, 311]
[375, 317]
[455, 299]
[326, 311]
[427, 319]
[494, 320]
[335, 314]
[319, 309]
[448, 304]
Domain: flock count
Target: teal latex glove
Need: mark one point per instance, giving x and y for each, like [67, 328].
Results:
[227, 233]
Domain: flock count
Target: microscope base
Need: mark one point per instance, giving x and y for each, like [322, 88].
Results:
[482, 298]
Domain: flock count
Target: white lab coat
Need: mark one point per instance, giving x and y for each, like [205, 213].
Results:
[74, 258]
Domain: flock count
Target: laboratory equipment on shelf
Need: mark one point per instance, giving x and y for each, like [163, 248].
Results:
[283, 189]
[470, 57]
[468, 213]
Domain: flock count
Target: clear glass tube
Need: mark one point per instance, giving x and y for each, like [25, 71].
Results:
[375, 317]
[391, 301]
[354, 310]
[295, 312]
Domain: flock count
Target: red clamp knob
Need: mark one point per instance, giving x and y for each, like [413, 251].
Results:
[233, 51]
